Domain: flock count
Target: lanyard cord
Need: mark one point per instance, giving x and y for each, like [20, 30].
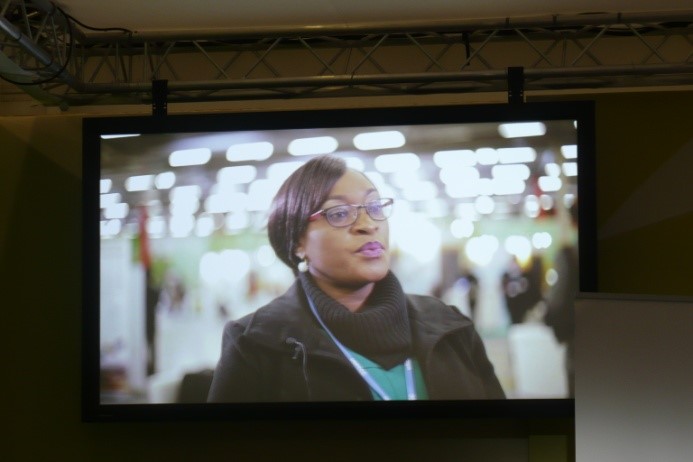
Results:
[408, 367]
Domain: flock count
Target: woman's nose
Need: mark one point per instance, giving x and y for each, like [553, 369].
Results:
[364, 223]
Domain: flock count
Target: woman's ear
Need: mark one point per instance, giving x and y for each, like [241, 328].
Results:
[299, 250]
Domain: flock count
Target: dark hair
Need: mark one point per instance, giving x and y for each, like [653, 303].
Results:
[300, 195]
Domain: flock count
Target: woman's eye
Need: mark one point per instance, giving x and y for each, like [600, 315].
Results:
[375, 208]
[338, 214]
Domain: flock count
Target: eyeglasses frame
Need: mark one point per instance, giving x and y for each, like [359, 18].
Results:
[314, 216]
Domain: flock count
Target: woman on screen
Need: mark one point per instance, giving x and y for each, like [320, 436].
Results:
[345, 330]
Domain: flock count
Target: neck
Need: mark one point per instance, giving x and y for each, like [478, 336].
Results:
[352, 298]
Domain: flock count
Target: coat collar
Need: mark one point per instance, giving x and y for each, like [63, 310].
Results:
[288, 317]
[431, 320]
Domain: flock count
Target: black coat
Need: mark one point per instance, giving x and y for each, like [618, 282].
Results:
[280, 353]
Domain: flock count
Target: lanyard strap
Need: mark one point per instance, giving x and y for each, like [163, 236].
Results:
[408, 367]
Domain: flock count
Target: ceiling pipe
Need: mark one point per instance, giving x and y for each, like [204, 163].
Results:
[448, 25]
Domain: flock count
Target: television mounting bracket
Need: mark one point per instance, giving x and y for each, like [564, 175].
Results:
[159, 97]
[516, 85]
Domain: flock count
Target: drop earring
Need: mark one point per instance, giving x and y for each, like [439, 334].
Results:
[303, 266]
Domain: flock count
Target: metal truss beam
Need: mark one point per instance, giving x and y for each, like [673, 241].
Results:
[66, 63]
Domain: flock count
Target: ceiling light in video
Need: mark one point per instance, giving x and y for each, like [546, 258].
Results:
[110, 228]
[379, 140]
[407, 229]
[282, 170]
[481, 249]
[455, 158]
[485, 205]
[569, 151]
[510, 172]
[507, 187]
[550, 183]
[461, 228]
[487, 156]
[260, 194]
[391, 163]
[139, 183]
[186, 157]
[181, 225]
[185, 193]
[522, 130]
[105, 185]
[552, 169]
[570, 169]
[118, 211]
[517, 155]
[108, 199]
[242, 152]
[355, 163]
[204, 226]
[420, 191]
[165, 180]
[519, 246]
[240, 174]
[541, 240]
[156, 227]
[313, 146]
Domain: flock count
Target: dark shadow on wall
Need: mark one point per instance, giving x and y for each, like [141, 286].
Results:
[41, 270]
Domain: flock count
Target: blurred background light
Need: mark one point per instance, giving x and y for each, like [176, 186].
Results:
[280, 171]
[379, 140]
[520, 247]
[110, 198]
[238, 174]
[313, 146]
[408, 230]
[181, 225]
[204, 226]
[186, 157]
[165, 180]
[570, 168]
[484, 205]
[487, 156]
[521, 130]
[118, 211]
[542, 240]
[517, 155]
[390, 163]
[455, 158]
[243, 152]
[550, 183]
[462, 228]
[481, 249]
[569, 151]
[139, 183]
[105, 185]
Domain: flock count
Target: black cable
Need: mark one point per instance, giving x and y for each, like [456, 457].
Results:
[68, 20]
[96, 29]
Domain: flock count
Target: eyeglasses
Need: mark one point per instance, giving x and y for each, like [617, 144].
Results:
[341, 216]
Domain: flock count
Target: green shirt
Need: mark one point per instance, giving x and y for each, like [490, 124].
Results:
[393, 381]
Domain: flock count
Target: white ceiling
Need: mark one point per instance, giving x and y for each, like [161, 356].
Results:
[153, 16]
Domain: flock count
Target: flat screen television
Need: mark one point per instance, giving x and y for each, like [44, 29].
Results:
[487, 200]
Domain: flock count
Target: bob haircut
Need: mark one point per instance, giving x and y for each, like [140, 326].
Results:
[301, 194]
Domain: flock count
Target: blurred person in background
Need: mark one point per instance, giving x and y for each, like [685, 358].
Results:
[346, 330]
[560, 298]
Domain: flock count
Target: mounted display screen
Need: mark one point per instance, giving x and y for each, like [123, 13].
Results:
[493, 214]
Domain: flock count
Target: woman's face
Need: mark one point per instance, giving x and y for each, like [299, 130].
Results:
[352, 256]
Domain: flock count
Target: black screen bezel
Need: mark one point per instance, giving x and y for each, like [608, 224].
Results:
[93, 128]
